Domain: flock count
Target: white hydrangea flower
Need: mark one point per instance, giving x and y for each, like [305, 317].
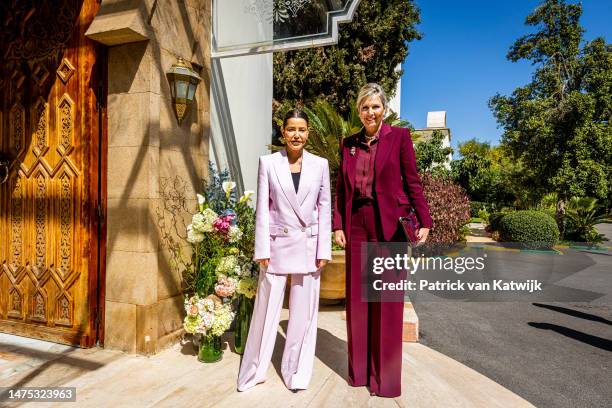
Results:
[208, 319]
[246, 269]
[209, 216]
[192, 324]
[223, 320]
[199, 222]
[208, 305]
[193, 235]
[235, 234]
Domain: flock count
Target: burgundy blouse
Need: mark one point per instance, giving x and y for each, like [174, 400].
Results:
[364, 170]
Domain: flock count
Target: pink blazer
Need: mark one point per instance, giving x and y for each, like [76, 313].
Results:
[293, 230]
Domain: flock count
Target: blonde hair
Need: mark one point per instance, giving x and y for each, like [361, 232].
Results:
[370, 90]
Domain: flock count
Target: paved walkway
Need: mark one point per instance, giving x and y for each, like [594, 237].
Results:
[174, 378]
[478, 233]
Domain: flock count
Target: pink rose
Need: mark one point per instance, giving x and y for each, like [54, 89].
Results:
[225, 287]
[193, 310]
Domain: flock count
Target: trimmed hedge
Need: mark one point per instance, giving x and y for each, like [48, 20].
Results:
[533, 229]
[551, 212]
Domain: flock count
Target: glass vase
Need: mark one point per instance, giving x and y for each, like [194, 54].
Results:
[210, 349]
[243, 321]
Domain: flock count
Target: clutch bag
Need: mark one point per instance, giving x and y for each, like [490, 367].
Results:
[411, 225]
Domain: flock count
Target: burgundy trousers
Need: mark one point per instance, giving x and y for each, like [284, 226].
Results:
[374, 328]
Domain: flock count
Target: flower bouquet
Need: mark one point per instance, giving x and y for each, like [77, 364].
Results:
[209, 318]
[222, 274]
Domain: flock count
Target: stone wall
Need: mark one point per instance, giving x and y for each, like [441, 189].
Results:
[143, 305]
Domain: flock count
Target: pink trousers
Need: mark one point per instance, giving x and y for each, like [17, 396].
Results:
[298, 355]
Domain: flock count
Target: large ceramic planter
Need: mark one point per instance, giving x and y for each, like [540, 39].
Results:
[333, 278]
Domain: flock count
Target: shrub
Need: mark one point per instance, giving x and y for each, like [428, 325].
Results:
[582, 214]
[549, 201]
[484, 215]
[476, 206]
[551, 212]
[450, 209]
[494, 220]
[533, 229]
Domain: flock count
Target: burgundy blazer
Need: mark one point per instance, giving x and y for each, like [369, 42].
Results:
[397, 184]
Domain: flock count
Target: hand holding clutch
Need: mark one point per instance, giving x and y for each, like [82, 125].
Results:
[411, 226]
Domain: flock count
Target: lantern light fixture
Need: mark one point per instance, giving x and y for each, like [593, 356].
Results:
[183, 82]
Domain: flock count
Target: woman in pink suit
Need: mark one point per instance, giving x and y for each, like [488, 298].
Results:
[292, 236]
[377, 183]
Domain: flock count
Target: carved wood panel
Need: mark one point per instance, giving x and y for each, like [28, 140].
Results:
[48, 125]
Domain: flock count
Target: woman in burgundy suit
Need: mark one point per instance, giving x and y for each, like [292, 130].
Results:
[377, 183]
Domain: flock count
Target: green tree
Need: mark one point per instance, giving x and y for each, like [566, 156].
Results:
[490, 175]
[431, 155]
[469, 170]
[369, 49]
[558, 125]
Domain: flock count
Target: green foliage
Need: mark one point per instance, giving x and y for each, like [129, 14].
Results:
[393, 119]
[245, 214]
[489, 175]
[431, 155]
[477, 206]
[533, 229]
[549, 201]
[583, 213]
[369, 49]
[206, 258]
[558, 125]
[327, 128]
[484, 215]
[494, 220]
[449, 206]
[550, 211]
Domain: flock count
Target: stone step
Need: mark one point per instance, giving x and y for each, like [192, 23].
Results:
[411, 324]
[410, 332]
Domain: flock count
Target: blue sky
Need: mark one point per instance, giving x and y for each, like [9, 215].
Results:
[460, 62]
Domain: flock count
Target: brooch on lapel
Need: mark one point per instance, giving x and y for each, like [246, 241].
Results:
[352, 152]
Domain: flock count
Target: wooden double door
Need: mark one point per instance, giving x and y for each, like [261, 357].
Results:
[51, 117]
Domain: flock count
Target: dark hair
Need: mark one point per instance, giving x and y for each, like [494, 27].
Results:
[295, 113]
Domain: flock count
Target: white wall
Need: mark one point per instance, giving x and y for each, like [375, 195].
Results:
[247, 83]
[395, 102]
